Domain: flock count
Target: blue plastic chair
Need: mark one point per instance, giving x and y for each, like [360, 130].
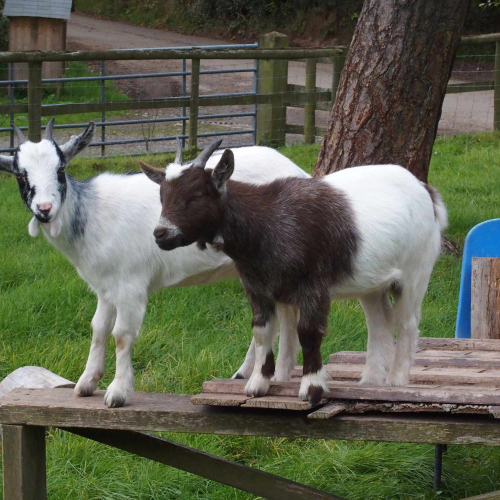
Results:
[483, 240]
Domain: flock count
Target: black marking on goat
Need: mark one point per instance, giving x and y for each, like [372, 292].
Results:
[315, 392]
[82, 193]
[132, 173]
[396, 289]
[62, 186]
[267, 369]
[25, 189]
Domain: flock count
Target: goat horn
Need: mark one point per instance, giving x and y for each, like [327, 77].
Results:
[178, 152]
[202, 159]
[49, 129]
[20, 135]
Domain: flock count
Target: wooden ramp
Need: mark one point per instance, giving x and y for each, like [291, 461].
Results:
[449, 376]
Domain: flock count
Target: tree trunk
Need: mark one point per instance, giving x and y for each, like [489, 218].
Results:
[393, 85]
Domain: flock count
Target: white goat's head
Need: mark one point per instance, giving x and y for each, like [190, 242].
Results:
[39, 168]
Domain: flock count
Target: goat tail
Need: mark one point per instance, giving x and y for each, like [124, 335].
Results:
[440, 211]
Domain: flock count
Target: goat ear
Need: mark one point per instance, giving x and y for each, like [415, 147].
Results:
[223, 171]
[7, 164]
[78, 143]
[155, 174]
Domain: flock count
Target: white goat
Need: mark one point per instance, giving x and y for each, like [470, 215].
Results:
[104, 226]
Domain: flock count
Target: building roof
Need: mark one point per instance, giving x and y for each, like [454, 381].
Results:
[56, 9]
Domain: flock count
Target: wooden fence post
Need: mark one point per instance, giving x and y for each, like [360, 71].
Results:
[485, 298]
[193, 103]
[310, 106]
[496, 91]
[338, 66]
[272, 79]
[35, 101]
[24, 476]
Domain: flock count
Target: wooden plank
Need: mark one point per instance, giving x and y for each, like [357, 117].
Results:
[219, 399]
[437, 358]
[310, 107]
[485, 298]
[24, 476]
[460, 88]
[152, 54]
[494, 411]
[34, 101]
[175, 413]
[272, 78]
[459, 344]
[494, 495]
[203, 464]
[328, 411]
[32, 377]
[420, 375]
[496, 93]
[480, 39]
[420, 394]
[172, 102]
[193, 103]
[279, 403]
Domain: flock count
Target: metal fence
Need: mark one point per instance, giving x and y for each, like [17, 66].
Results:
[254, 100]
[12, 83]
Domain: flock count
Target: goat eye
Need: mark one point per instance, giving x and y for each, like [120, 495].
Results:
[61, 170]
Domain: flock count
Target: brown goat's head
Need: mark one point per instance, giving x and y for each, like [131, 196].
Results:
[191, 199]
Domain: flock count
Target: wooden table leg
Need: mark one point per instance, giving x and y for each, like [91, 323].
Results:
[24, 474]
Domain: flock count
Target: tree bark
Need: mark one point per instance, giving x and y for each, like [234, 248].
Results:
[393, 84]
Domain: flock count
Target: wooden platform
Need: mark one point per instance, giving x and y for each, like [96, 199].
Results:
[449, 376]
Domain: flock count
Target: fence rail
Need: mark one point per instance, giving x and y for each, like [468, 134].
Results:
[270, 97]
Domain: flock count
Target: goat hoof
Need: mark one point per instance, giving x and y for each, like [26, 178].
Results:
[376, 379]
[313, 385]
[257, 386]
[397, 379]
[115, 397]
[237, 376]
[85, 388]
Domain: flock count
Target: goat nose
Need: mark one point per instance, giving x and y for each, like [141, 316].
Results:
[159, 232]
[45, 207]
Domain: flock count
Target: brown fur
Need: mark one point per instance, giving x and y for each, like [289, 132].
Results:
[291, 240]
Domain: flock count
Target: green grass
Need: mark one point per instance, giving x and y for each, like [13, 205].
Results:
[198, 333]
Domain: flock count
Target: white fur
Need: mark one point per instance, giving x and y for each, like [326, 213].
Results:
[34, 227]
[117, 255]
[317, 379]
[172, 228]
[264, 336]
[174, 170]
[400, 240]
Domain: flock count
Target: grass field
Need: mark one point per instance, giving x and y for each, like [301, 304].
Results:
[198, 333]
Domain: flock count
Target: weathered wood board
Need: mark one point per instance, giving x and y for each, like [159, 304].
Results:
[450, 376]
[485, 298]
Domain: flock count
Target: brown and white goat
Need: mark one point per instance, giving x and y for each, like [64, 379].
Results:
[365, 232]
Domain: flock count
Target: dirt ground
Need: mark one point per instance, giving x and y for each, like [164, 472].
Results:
[466, 112]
